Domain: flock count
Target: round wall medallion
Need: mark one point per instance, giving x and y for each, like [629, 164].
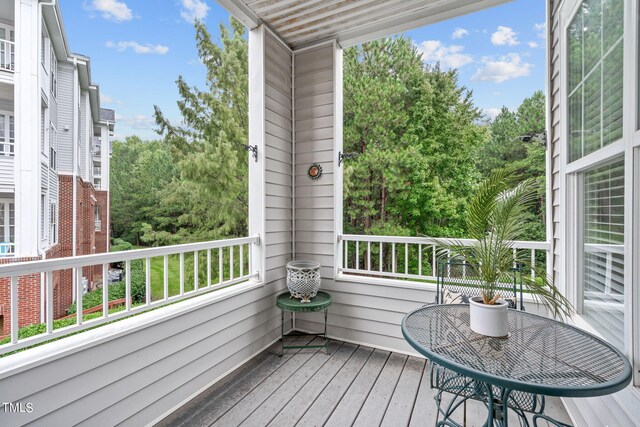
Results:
[315, 171]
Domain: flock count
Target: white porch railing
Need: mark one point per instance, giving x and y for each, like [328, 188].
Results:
[7, 55]
[226, 250]
[7, 249]
[407, 258]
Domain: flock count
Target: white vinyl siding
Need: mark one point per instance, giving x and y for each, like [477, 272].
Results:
[66, 131]
[278, 159]
[314, 143]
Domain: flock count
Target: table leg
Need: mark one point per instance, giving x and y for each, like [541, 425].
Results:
[281, 333]
[325, 331]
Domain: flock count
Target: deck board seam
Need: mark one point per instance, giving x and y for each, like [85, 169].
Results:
[345, 390]
[394, 389]
[313, 353]
[415, 399]
[295, 352]
[308, 379]
[372, 385]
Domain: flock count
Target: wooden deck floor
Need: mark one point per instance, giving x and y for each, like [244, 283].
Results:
[353, 385]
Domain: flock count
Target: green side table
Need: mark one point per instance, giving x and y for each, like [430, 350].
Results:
[320, 302]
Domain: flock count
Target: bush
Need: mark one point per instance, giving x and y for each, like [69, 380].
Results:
[117, 290]
[119, 245]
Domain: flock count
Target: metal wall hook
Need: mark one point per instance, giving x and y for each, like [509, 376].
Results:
[253, 149]
[343, 156]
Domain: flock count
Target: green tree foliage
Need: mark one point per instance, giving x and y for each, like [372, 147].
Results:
[505, 149]
[416, 130]
[210, 199]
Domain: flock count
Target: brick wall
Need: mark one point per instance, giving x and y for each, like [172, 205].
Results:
[87, 242]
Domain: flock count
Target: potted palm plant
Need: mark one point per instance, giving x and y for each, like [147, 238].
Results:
[495, 220]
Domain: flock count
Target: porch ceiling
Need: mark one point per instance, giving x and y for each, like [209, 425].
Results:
[305, 22]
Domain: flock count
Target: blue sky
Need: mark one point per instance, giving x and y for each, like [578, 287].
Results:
[139, 47]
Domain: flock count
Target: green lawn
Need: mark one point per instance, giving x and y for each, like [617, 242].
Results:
[157, 271]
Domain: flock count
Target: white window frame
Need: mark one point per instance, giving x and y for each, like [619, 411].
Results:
[571, 177]
[12, 46]
[53, 222]
[5, 232]
[9, 115]
[53, 147]
[53, 72]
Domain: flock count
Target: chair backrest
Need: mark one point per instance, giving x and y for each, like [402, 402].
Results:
[460, 277]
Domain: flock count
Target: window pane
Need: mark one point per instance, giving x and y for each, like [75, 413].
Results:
[603, 251]
[595, 67]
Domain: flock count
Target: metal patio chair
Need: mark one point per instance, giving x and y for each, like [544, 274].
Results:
[457, 281]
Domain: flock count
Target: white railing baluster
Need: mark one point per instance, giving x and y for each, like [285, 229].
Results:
[105, 290]
[420, 259]
[406, 258]
[434, 261]
[147, 280]
[46, 268]
[231, 263]
[127, 285]
[14, 309]
[515, 257]
[181, 273]
[393, 257]
[49, 302]
[533, 264]
[381, 257]
[195, 271]
[165, 276]
[208, 268]
[357, 255]
[79, 295]
[368, 256]
[346, 255]
[220, 270]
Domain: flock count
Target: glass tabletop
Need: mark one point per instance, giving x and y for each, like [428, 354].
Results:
[540, 355]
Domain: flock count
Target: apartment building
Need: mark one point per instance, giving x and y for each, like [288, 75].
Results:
[55, 144]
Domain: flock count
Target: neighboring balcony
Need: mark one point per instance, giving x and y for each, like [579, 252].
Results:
[7, 55]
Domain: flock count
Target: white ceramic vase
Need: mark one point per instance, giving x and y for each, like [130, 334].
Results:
[490, 320]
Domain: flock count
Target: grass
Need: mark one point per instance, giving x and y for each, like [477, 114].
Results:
[157, 271]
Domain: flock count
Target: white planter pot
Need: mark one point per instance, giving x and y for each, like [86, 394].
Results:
[303, 279]
[490, 320]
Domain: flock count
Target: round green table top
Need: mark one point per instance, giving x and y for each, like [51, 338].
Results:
[320, 302]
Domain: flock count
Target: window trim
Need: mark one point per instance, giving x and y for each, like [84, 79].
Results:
[570, 175]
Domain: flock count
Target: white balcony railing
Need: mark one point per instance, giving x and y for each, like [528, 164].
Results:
[407, 258]
[7, 249]
[7, 55]
[229, 272]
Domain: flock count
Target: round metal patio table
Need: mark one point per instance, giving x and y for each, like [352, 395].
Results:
[540, 356]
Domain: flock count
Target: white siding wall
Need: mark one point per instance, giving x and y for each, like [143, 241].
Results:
[84, 142]
[278, 159]
[136, 377]
[314, 143]
[66, 132]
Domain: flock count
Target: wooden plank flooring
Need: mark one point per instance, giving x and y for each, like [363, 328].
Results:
[353, 385]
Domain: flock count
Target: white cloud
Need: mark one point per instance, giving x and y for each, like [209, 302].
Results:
[194, 9]
[137, 121]
[504, 36]
[459, 33]
[533, 45]
[541, 29]
[492, 113]
[449, 56]
[112, 10]
[505, 68]
[108, 100]
[157, 49]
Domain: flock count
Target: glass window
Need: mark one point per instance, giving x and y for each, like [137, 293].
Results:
[603, 251]
[595, 64]
[53, 223]
[7, 135]
[43, 212]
